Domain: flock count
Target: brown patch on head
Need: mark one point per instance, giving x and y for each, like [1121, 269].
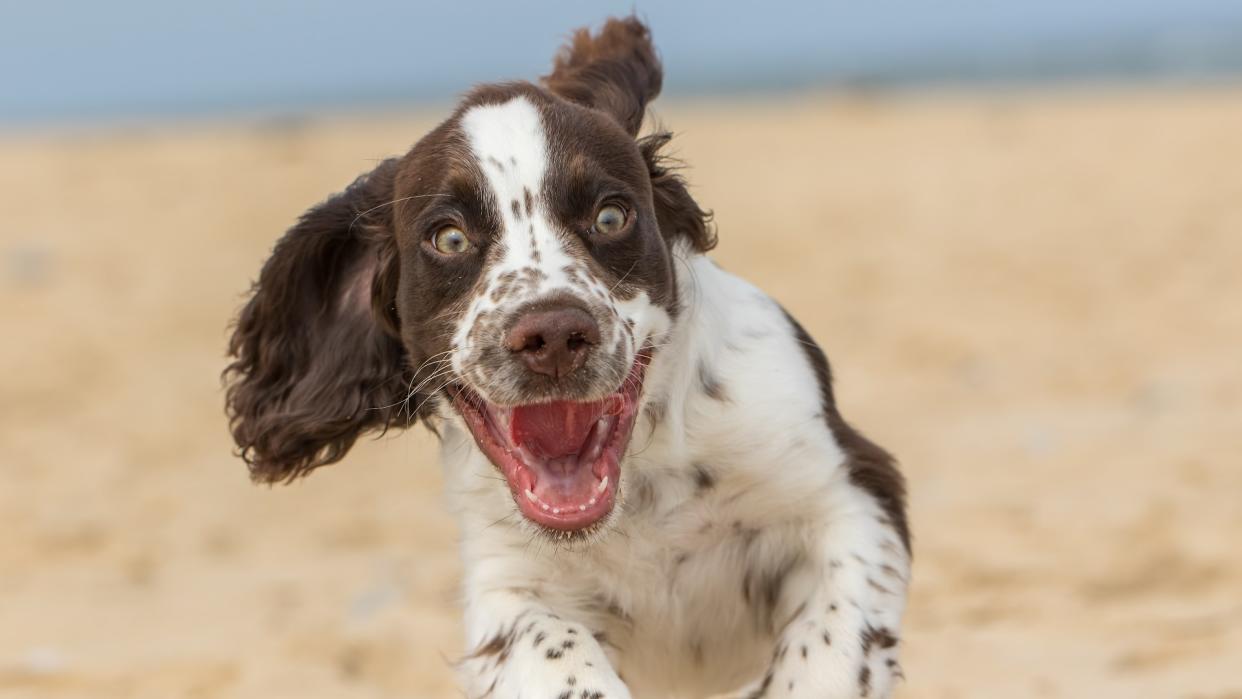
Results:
[615, 71]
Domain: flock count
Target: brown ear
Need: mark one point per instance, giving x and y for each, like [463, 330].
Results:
[616, 71]
[316, 361]
[678, 214]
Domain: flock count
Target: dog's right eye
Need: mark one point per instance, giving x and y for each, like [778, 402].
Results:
[450, 240]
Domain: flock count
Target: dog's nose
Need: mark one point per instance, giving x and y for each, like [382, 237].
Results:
[553, 342]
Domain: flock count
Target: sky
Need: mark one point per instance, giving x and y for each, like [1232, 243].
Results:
[90, 61]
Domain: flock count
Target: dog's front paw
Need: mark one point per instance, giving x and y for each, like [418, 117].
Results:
[544, 658]
[564, 666]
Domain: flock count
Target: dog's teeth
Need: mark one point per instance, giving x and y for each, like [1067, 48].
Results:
[530, 495]
[556, 510]
[582, 508]
[545, 506]
[603, 484]
[591, 501]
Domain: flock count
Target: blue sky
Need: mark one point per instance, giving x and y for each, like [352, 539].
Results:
[83, 61]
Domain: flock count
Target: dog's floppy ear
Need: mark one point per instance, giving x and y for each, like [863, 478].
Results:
[679, 215]
[316, 359]
[616, 71]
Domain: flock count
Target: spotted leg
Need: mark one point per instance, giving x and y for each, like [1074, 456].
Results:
[843, 613]
[520, 648]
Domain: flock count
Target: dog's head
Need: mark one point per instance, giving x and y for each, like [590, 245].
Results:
[513, 270]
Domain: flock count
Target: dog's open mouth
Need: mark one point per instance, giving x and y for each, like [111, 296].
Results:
[562, 459]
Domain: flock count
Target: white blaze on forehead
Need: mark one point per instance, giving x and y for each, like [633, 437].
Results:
[511, 147]
[508, 141]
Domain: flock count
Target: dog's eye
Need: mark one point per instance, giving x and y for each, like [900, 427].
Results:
[451, 241]
[609, 219]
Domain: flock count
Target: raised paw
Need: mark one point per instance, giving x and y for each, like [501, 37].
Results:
[539, 658]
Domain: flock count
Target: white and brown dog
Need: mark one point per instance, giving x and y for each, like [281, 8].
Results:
[680, 509]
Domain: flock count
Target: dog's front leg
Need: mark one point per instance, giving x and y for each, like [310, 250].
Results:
[520, 648]
[842, 612]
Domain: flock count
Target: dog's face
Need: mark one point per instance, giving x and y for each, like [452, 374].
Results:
[512, 271]
[533, 276]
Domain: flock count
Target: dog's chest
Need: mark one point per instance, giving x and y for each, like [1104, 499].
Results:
[684, 591]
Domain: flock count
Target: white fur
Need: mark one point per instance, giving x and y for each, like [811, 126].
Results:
[675, 568]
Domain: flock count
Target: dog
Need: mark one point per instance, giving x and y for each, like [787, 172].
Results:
[657, 493]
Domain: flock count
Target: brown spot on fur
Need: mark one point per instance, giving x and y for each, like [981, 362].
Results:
[711, 384]
[763, 686]
[761, 589]
[891, 572]
[529, 200]
[878, 587]
[609, 606]
[881, 637]
[704, 479]
[516, 208]
[643, 495]
[494, 646]
[864, 681]
[655, 412]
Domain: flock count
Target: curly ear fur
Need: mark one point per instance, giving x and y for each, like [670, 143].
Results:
[678, 213]
[616, 71]
[315, 360]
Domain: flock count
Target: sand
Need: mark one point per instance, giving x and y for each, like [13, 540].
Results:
[1034, 299]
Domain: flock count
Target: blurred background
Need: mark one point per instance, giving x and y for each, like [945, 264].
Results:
[1015, 227]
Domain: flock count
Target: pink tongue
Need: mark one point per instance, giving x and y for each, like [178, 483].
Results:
[554, 430]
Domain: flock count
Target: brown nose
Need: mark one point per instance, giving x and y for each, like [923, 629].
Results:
[553, 342]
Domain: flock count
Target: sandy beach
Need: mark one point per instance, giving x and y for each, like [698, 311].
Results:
[1034, 299]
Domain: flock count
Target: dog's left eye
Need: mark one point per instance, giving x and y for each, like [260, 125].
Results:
[451, 241]
[609, 219]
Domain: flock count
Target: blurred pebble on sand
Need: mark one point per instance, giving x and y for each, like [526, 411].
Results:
[27, 265]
